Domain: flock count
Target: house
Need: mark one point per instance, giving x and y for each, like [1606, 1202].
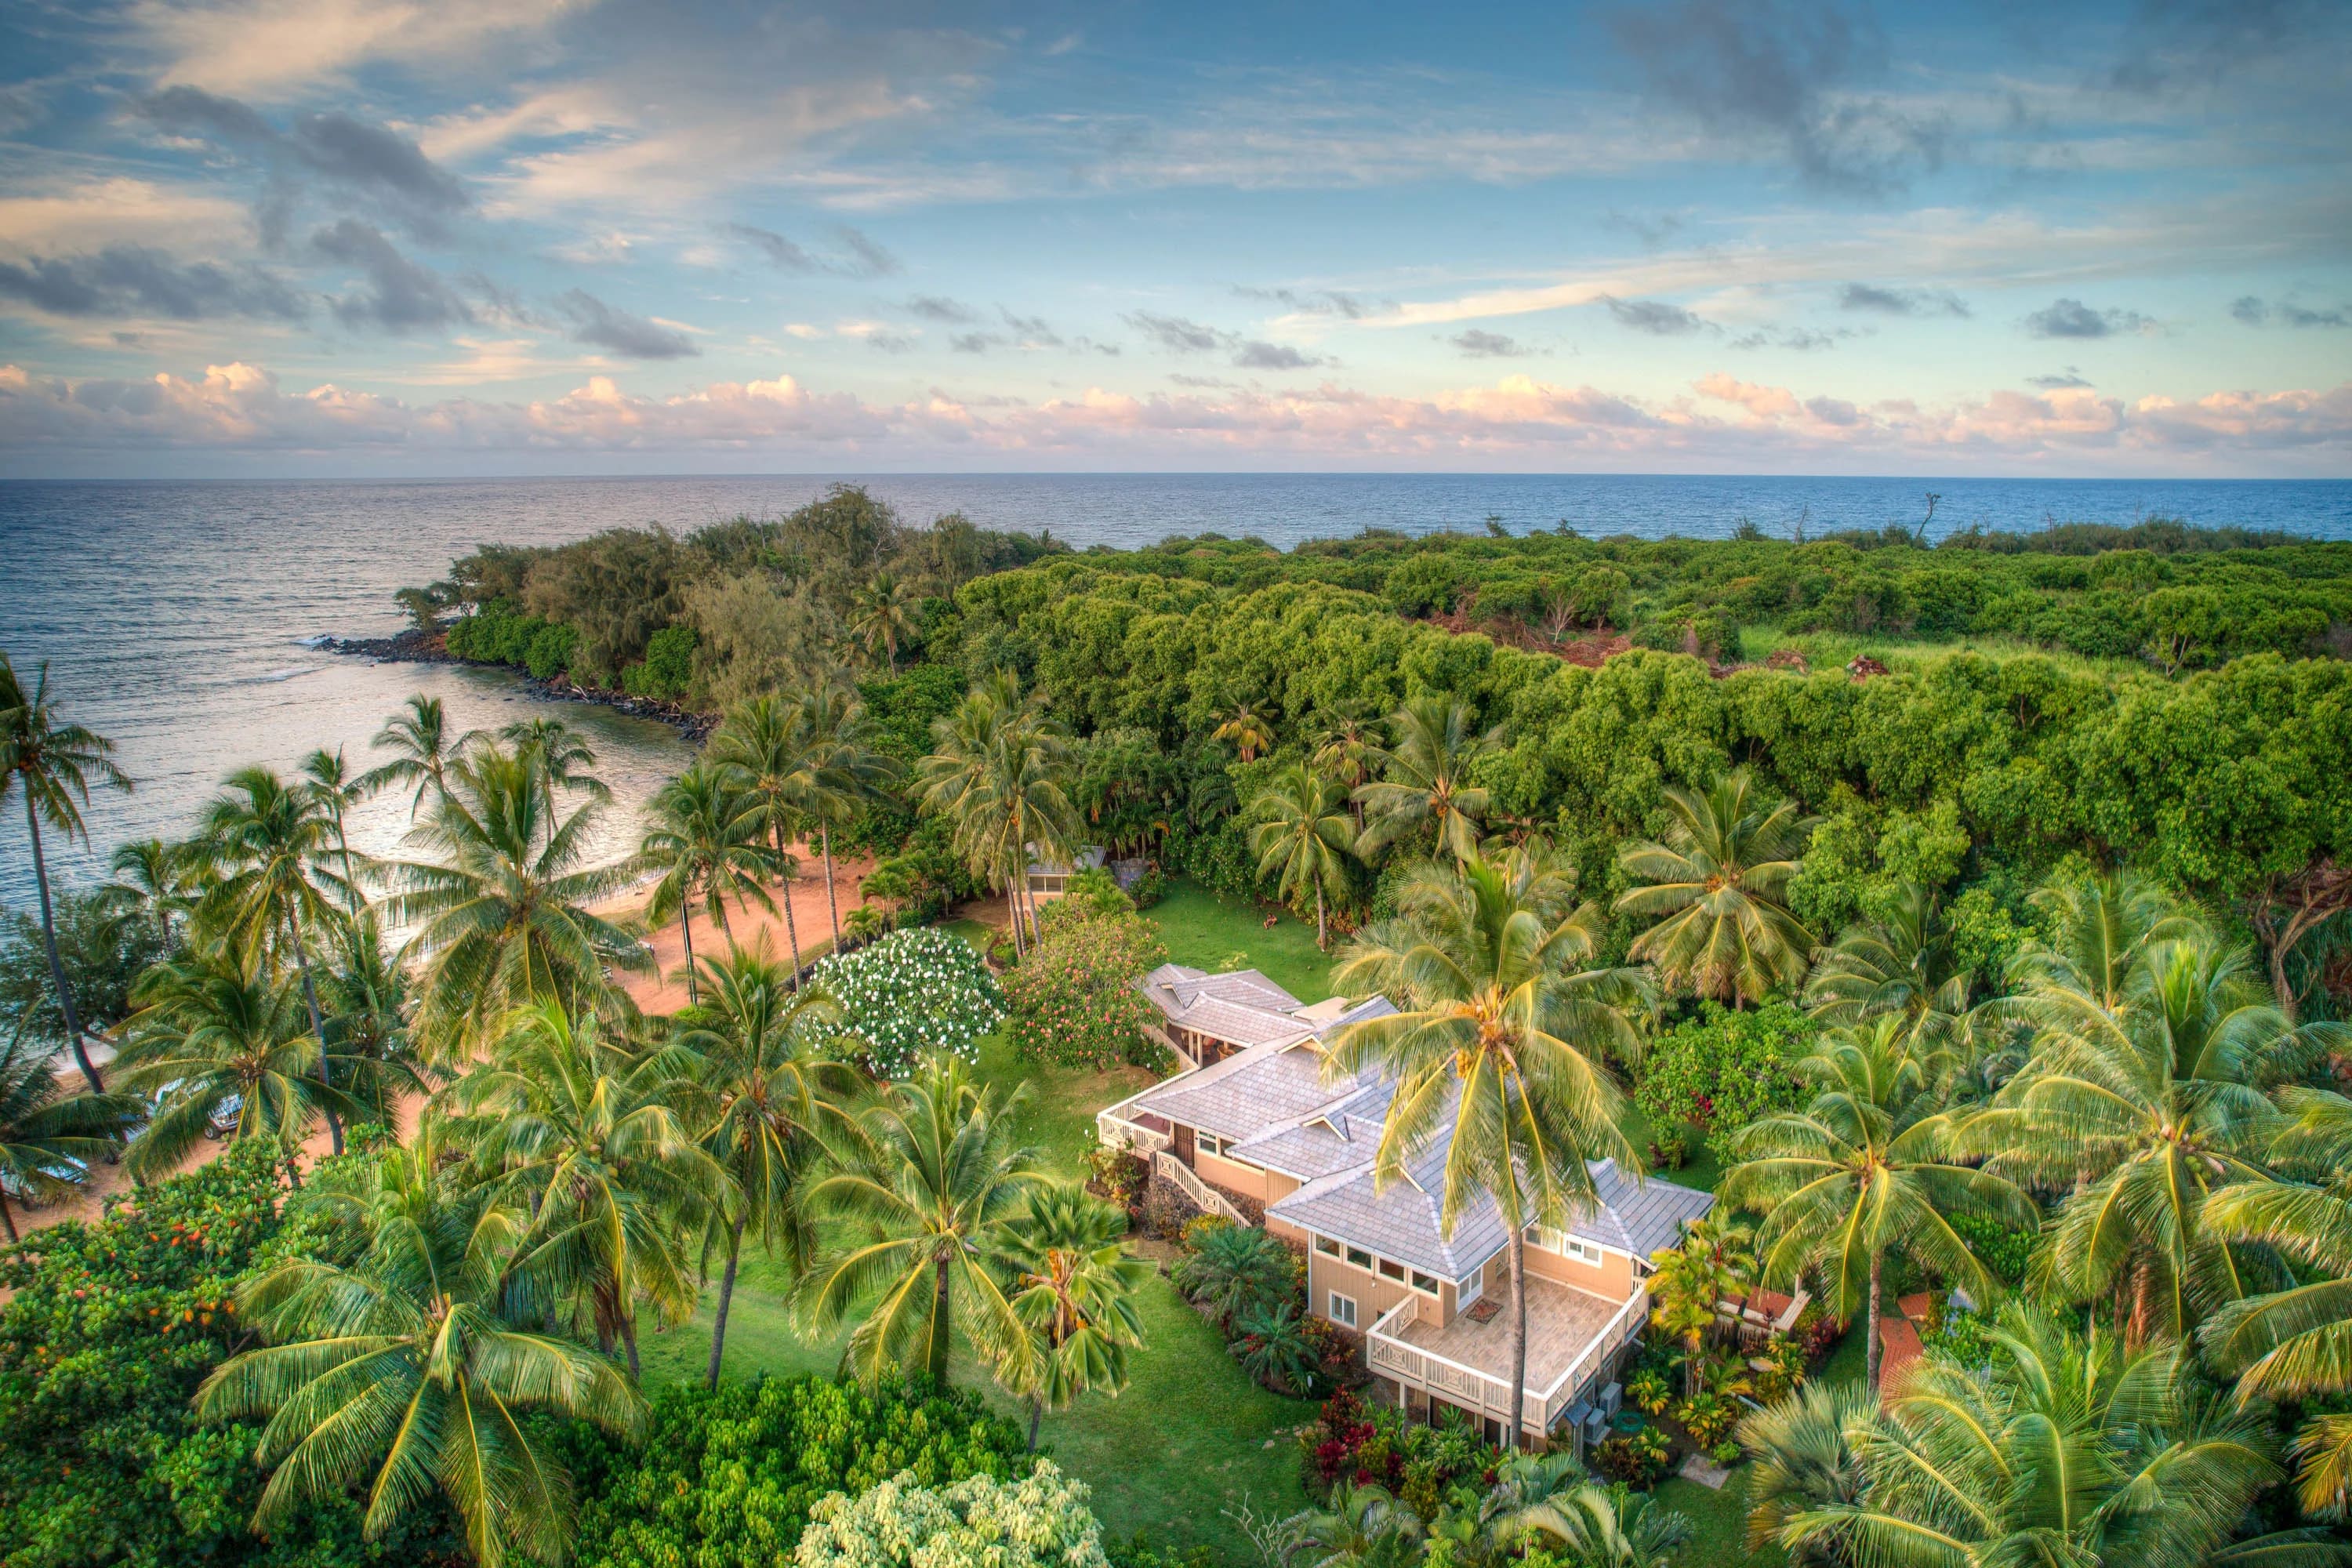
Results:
[1049, 879]
[1256, 1130]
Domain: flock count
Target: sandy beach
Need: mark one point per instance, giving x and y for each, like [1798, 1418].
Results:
[747, 925]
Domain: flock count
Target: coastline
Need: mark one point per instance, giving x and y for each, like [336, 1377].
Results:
[418, 646]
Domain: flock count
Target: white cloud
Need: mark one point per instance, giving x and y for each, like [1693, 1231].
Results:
[276, 49]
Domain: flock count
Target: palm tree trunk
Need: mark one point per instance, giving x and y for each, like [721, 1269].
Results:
[1013, 907]
[936, 1362]
[1516, 1437]
[1036, 1404]
[726, 1299]
[57, 964]
[8, 1221]
[318, 1025]
[629, 1343]
[1322, 932]
[792, 930]
[686, 924]
[1871, 1347]
[832, 902]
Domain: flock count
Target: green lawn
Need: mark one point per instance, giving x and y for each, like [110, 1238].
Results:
[1192, 1436]
[1202, 929]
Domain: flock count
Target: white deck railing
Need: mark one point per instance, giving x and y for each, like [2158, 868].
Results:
[1206, 1198]
[1482, 1391]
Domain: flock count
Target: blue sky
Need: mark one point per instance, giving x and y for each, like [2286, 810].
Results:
[258, 236]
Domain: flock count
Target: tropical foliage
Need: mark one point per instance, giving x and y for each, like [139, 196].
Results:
[911, 993]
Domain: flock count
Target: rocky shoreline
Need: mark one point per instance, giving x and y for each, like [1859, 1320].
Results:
[417, 647]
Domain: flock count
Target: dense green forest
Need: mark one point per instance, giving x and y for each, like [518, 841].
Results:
[2174, 697]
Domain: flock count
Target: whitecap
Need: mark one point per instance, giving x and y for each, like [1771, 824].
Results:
[287, 673]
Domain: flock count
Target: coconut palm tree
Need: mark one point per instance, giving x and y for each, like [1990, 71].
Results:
[2066, 1449]
[1347, 744]
[1716, 886]
[418, 737]
[156, 882]
[218, 1037]
[366, 996]
[1074, 1285]
[882, 616]
[408, 1371]
[1245, 729]
[1304, 840]
[564, 755]
[2296, 1343]
[1804, 1457]
[1598, 1527]
[849, 771]
[921, 1186]
[268, 841]
[54, 764]
[704, 834]
[1900, 961]
[770, 1089]
[1361, 1527]
[1855, 1178]
[585, 1135]
[501, 909]
[2143, 1095]
[47, 1137]
[1497, 1049]
[996, 772]
[766, 742]
[337, 792]
[1435, 749]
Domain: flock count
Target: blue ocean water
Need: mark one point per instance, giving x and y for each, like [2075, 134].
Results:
[176, 616]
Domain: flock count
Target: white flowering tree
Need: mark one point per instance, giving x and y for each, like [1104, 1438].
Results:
[914, 994]
[1039, 1521]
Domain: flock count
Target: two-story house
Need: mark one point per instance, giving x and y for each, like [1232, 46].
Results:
[1260, 1131]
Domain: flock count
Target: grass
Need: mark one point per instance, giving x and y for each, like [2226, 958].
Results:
[1193, 1438]
[1204, 929]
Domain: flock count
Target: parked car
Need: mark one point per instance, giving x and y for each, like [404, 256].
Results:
[66, 1169]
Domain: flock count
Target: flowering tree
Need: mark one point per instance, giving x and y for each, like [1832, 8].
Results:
[1041, 1521]
[1073, 999]
[913, 993]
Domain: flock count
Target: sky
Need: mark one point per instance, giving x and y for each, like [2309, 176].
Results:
[409, 236]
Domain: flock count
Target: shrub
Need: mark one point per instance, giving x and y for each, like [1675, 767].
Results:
[1723, 1070]
[1119, 1175]
[1635, 1459]
[668, 667]
[1726, 1453]
[733, 1475]
[1239, 1268]
[1650, 1391]
[1038, 1521]
[1273, 1345]
[913, 993]
[1999, 1247]
[1960, 1334]
[1073, 999]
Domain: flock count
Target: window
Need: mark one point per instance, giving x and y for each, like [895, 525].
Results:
[1211, 1144]
[1327, 1247]
[1424, 1283]
[1360, 1257]
[1587, 1252]
[1392, 1270]
[1583, 1251]
[1343, 1309]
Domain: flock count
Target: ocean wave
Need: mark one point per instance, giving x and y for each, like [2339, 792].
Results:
[275, 676]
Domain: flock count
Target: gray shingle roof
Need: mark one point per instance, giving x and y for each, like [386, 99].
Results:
[1400, 1223]
[1332, 1137]
[1649, 1214]
[1243, 1094]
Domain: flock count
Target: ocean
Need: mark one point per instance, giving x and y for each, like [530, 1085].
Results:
[178, 619]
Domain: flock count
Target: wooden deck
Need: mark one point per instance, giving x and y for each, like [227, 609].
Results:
[1562, 1326]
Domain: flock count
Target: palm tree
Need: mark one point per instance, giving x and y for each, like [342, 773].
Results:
[922, 1186]
[367, 1002]
[703, 835]
[1427, 779]
[585, 1135]
[1245, 729]
[337, 793]
[849, 771]
[770, 1090]
[1074, 1285]
[2066, 1449]
[996, 772]
[2296, 1343]
[563, 754]
[216, 1031]
[1853, 1178]
[1496, 1048]
[408, 1371]
[1304, 840]
[1899, 961]
[1346, 744]
[1804, 1456]
[766, 742]
[153, 881]
[47, 1138]
[882, 615]
[53, 763]
[1718, 884]
[2143, 1095]
[267, 840]
[501, 913]
[421, 750]
[1601, 1527]
[1361, 1527]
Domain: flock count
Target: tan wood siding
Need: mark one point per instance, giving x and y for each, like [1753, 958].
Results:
[1612, 1277]
[1231, 1175]
[1373, 1294]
